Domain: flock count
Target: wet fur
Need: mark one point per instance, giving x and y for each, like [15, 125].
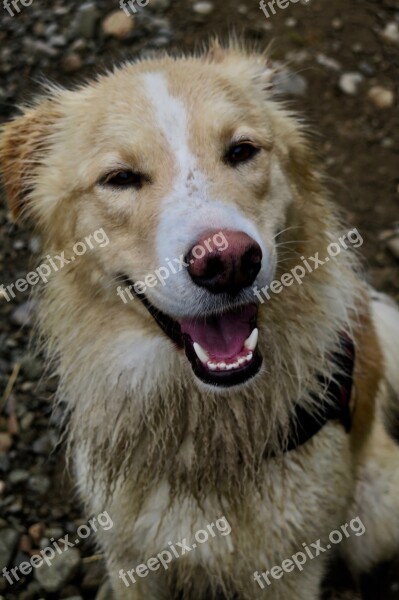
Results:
[161, 453]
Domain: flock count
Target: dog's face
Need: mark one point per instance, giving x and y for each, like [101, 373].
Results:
[179, 162]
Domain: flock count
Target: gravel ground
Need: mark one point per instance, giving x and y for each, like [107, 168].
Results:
[343, 75]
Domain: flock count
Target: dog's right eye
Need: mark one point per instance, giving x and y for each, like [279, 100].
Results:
[122, 179]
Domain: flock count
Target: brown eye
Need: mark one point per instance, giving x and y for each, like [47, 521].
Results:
[241, 153]
[124, 179]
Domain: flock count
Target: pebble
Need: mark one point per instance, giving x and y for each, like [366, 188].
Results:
[18, 476]
[391, 32]
[72, 63]
[8, 543]
[349, 83]
[45, 444]
[393, 246]
[24, 313]
[203, 8]
[86, 20]
[118, 25]
[31, 367]
[62, 569]
[5, 442]
[39, 484]
[290, 83]
[328, 62]
[159, 4]
[35, 532]
[381, 97]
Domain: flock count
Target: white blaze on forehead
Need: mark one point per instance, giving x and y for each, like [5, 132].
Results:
[172, 119]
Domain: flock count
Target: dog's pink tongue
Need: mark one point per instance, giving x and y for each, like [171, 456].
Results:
[221, 336]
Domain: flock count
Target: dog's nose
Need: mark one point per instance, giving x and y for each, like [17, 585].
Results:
[228, 268]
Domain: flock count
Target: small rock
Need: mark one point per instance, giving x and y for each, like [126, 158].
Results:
[366, 68]
[25, 544]
[44, 445]
[62, 569]
[35, 244]
[381, 97]
[159, 4]
[26, 421]
[32, 592]
[328, 62]
[8, 543]
[291, 22]
[393, 246]
[40, 484]
[39, 48]
[203, 8]
[31, 367]
[86, 20]
[59, 41]
[36, 532]
[391, 32]
[19, 244]
[289, 83]
[349, 83]
[71, 63]
[337, 24]
[24, 314]
[2, 487]
[18, 476]
[54, 532]
[118, 24]
[5, 442]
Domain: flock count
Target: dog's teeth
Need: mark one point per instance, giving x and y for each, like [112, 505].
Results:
[236, 365]
[229, 367]
[241, 360]
[212, 366]
[248, 357]
[222, 365]
[250, 343]
[201, 353]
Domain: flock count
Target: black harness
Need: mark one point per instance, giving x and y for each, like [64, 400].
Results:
[335, 404]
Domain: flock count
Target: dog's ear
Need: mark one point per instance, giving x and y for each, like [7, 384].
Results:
[23, 145]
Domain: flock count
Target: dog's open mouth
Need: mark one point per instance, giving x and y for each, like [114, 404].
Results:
[222, 349]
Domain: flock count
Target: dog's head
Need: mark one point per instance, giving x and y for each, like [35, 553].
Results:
[192, 170]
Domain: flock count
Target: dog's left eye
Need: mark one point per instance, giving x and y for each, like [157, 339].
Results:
[124, 179]
[241, 153]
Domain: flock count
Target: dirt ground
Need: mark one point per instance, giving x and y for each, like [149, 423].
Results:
[343, 58]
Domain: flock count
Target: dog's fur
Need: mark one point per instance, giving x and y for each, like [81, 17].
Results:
[163, 453]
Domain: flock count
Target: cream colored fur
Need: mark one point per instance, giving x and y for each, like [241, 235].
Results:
[150, 444]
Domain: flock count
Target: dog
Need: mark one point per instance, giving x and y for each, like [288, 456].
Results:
[199, 400]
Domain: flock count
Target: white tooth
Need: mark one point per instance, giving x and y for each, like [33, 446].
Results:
[250, 343]
[222, 366]
[229, 367]
[212, 366]
[241, 360]
[201, 353]
[249, 357]
[236, 365]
